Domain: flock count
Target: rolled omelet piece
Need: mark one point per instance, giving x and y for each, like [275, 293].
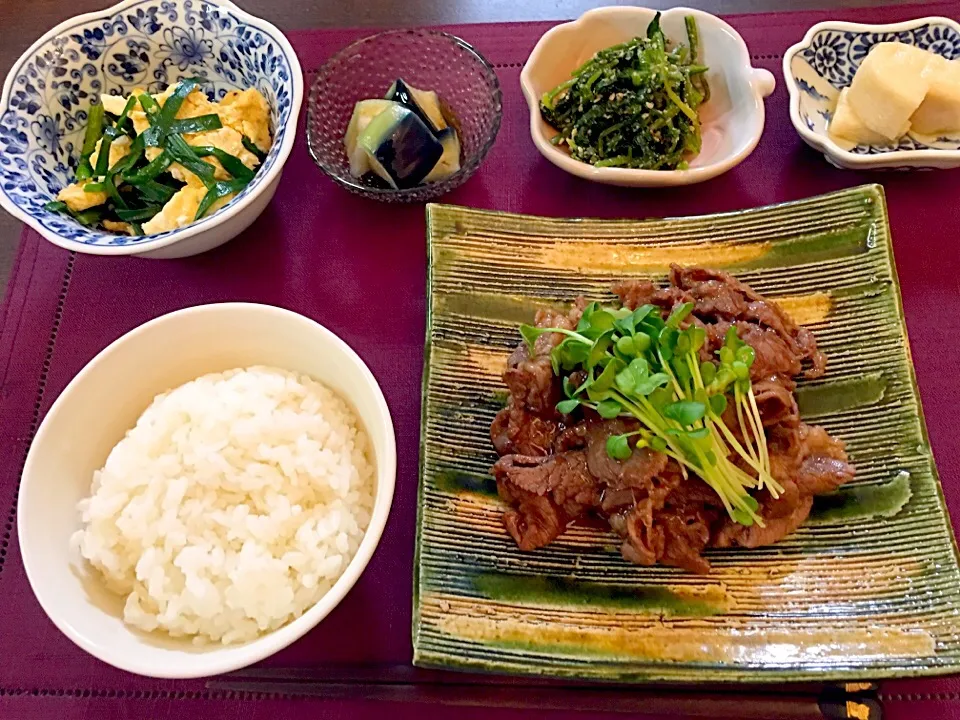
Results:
[889, 86]
[939, 112]
[847, 125]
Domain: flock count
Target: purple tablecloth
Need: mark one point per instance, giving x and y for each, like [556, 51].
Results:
[340, 259]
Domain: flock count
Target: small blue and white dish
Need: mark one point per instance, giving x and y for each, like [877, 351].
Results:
[148, 44]
[817, 68]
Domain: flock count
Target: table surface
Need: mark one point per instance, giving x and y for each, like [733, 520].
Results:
[19, 28]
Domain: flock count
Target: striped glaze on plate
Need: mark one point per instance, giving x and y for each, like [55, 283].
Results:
[869, 587]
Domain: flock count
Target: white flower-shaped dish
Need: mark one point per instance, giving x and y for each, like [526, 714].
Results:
[148, 44]
[818, 67]
[732, 119]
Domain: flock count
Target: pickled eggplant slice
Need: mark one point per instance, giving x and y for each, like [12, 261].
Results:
[449, 162]
[363, 112]
[400, 147]
[425, 103]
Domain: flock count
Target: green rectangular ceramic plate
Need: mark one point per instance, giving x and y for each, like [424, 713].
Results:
[869, 587]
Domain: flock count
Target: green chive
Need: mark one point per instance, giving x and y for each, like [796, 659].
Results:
[155, 192]
[55, 206]
[231, 163]
[84, 171]
[173, 103]
[94, 130]
[251, 146]
[131, 101]
[130, 159]
[201, 123]
[136, 214]
[103, 156]
[217, 191]
[185, 155]
[156, 166]
[111, 186]
[89, 217]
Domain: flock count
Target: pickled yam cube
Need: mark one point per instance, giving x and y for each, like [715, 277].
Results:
[847, 125]
[940, 110]
[889, 86]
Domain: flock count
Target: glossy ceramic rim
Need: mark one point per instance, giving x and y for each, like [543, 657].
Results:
[825, 143]
[418, 193]
[232, 209]
[255, 650]
[760, 80]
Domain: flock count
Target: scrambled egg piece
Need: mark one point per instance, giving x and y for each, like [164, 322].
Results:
[117, 227]
[247, 112]
[78, 200]
[179, 210]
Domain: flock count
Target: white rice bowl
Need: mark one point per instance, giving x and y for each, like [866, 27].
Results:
[232, 506]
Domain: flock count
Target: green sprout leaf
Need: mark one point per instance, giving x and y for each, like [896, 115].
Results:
[679, 314]
[625, 346]
[651, 383]
[626, 380]
[600, 322]
[698, 336]
[599, 350]
[731, 339]
[667, 342]
[608, 377]
[618, 447]
[585, 316]
[685, 412]
[708, 371]
[609, 409]
[718, 404]
[740, 370]
[568, 354]
[566, 407]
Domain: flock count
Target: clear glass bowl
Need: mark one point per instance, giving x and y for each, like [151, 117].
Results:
[426, 59]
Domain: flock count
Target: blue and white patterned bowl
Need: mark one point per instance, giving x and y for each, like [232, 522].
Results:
[138, 43]
[817, 68]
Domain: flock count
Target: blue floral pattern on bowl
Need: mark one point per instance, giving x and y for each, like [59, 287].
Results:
[827, 63]
[147, 44]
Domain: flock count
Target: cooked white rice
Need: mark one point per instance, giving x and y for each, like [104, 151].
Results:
[233, 505]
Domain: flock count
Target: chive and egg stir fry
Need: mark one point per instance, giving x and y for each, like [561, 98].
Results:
[633, 105]
[152, 163]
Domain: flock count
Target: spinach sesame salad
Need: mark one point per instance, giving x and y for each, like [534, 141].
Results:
[633, 105]
[152, 163]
